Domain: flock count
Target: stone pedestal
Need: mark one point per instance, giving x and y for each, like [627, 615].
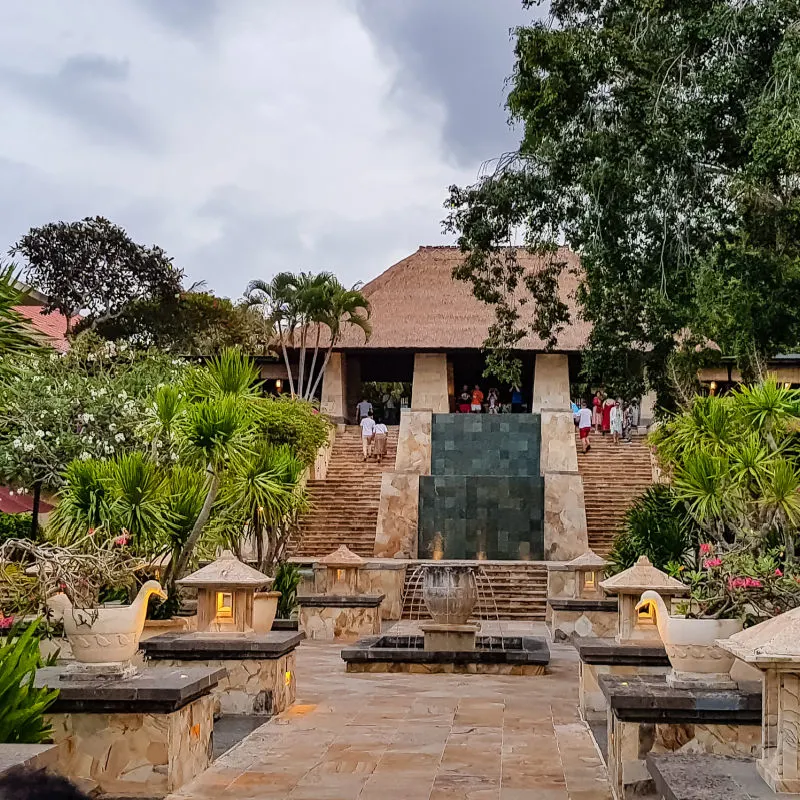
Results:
[337, 617]
[142, 737]
[260, 668]
[449, 638]
[645, 716]
[29, 756]
[429, 390]
[386, 576]
[334, 388]
[577, 617]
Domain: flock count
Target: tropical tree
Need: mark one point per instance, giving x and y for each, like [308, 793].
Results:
[94, 266]
[306, 308]
[734, 464]
[660, 142]
[16, 334]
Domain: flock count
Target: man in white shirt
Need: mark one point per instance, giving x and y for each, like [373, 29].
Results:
[367, 432]
[584, 420]
[363, 409]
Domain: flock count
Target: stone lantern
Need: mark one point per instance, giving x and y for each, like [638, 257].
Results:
[225, 590]
[588, 570]
[774, 647]
[634, 627]
[341, 572]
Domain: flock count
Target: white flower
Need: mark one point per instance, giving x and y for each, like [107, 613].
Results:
[111, 427]
[91, 357]
[40, 434]
[123, 395]
[85, 456]
[173, 456]
[27, 447]
[17, 444]
[120, 437]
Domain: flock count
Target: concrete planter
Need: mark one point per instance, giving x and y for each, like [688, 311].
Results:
[690, 645]
[108, 634]
[265, 606]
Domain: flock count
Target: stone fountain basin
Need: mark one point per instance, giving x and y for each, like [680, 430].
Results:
[523, 655]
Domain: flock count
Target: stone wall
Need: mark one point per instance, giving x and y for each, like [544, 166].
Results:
[135, 755]
[429, 389]
[335, 622]
[262, 686]
[630, 742]
[375, 577]
[564, 624]
[551, 383]
[565, 533]
[334, 388]
[592, 701]
[398, 510]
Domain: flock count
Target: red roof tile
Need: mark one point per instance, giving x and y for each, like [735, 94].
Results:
[20, 503]
[52, 326]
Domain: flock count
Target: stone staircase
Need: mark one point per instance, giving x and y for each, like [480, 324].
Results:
[518, 591]
[613, 476]
[344, 506]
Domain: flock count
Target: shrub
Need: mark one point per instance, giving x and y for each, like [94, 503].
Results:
[295, 423]
[14, 526]
[287, 579]
[654, 526]
[22, 720]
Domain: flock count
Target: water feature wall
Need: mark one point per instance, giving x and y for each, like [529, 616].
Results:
[484, 497]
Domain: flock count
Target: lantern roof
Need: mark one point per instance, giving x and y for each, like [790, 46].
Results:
[641, 577]
[587, 561]
[774, 641]
[227, 572]
[342, 558]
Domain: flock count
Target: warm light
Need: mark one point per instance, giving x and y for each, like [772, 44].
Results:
[287, 678]
[645, 613]
[481, 556]
[589, 580]
[339, 575]
[787, 385]
[713, 386]
[438, 555]
[225, 604]
[278, 385]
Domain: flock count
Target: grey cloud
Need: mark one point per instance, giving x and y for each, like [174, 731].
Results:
[457, 52]
[191, 18]
[90, 91]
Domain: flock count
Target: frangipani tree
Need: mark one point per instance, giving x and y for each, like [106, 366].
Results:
[305, 309]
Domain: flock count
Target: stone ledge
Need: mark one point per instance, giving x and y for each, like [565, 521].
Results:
[707, 777]
[155, 690]
[592, 650]
[31, 756]
[638, 698]
[218, 646]
[340, 601]
[574, 604]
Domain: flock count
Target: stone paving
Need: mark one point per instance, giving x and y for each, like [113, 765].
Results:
[426, 737]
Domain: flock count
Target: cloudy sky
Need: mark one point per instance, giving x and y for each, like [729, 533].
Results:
[250, 136]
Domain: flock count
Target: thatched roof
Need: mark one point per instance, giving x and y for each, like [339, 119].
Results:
[417, 305]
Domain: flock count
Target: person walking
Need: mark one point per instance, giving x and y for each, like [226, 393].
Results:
[380, 434]
[465, 400]
[615, 417]
[597, 410]
[367, 433]
[389, 406]
[516, 401]
[477, 400]
[608, 404]
[363, 409]
[627, 423]
[584, 420]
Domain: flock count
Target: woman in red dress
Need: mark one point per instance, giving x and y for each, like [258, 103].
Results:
[607, 406]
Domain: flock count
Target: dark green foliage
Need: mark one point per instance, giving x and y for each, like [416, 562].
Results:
[287, 579]
[654, 527]
[22, 706]
[661, 142]
[14, 526]
[294, 423]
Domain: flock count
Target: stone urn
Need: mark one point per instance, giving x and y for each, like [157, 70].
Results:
[449, 592]
[690, 644]
[106, 634]
[265, 606]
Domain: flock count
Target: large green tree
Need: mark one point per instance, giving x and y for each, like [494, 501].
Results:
[661, 141]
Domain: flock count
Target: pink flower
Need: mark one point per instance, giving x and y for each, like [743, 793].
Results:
[91, 531]
[6, 622]
[706, 548]
[778, 572]
[752, 583]
[737, 583]
[122, 540]
[712, 562]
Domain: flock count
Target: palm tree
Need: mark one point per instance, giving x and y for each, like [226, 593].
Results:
[16, 333]
[301, 307]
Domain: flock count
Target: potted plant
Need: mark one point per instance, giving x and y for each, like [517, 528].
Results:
[731, 590]
[69, 581]
[287, 579]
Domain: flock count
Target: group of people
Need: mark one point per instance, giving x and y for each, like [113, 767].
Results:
[607, 416]
[474, 402]
[374, 434]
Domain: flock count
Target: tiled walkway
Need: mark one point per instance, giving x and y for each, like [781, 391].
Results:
[415, 737]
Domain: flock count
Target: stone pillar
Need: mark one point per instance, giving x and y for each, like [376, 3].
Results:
[429, 390]
[398, 513]
[565, 534]
[334, 388]
[647, 410]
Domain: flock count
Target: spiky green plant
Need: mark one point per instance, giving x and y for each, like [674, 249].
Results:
[287, 579]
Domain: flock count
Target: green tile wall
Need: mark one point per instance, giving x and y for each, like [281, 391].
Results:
[485, 495]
